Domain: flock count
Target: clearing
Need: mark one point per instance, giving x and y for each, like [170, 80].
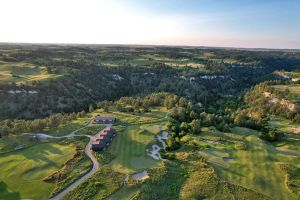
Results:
[21, 72]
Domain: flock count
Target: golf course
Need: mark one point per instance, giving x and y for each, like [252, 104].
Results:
[39, 159]
[22, 172]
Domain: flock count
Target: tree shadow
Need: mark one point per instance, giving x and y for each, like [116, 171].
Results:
[38, 153]
[6, 195]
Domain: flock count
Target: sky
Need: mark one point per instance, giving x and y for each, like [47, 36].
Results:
[220, 23]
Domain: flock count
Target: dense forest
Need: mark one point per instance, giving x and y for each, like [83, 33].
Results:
[89, 74]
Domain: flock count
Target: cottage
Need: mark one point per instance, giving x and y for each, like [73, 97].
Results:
[104, 120]
[104, 139]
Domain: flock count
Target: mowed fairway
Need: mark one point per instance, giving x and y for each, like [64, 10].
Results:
[130, 149]
[138, 131]
[256, 168]
[22, 172]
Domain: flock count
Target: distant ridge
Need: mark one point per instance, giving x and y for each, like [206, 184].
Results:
[151, 46]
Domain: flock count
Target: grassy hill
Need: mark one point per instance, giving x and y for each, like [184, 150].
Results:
[22, 172]
[22, 72]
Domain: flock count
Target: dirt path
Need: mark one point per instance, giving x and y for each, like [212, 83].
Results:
[89, 153]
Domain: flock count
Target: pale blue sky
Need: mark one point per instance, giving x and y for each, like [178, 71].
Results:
[234, 23]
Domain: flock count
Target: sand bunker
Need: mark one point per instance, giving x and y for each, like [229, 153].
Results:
[210, 141]
[140, 176]
[154, 151]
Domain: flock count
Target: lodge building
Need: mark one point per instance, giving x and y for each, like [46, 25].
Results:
[104, 139]
[104, 120]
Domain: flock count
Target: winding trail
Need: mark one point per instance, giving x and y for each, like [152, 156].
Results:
[87, 151]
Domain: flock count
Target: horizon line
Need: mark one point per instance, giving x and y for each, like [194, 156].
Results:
[152, 45]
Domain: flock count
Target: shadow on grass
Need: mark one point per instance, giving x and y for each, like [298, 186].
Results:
[227, 170]
[6, 195]
[131, 153]
[39, 152]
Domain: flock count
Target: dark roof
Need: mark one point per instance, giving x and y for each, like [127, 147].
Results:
[98, 118]
[105, 138]
[109, 129]
[107, 134]
[99, 145]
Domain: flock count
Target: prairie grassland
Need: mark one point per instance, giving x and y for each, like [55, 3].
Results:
[24, 72]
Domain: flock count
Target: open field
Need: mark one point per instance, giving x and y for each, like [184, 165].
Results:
[294, 91]
[292, 142]
[22, 172]
[24, 72]
[11, 142]
[282, 124]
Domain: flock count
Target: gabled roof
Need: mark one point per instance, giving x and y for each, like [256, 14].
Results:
[100, 144]
[104, 118]
[105, 138]
[106, 134]
[109, 129]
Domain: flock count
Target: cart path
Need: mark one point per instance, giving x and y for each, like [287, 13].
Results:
[89, 153]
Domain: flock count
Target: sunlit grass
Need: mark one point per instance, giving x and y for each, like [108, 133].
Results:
[22, 172]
